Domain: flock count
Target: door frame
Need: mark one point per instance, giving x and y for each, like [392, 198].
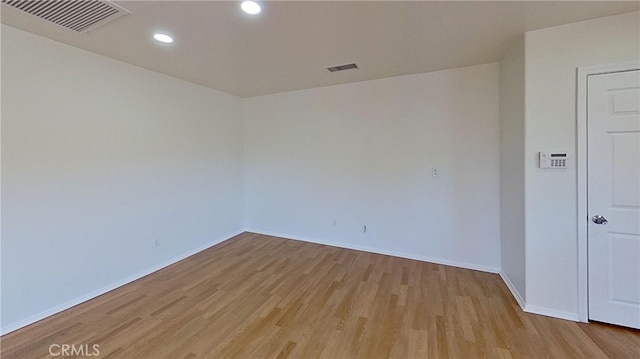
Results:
[583, 74]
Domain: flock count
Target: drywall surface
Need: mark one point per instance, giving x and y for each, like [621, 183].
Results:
[323, 163]
[107, 170]
[552, 56]
[512, 168]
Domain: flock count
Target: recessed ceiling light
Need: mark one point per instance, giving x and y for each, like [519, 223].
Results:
[164, 38]
[250, 7]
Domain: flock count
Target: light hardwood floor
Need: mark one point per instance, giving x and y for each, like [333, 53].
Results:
[256, 296]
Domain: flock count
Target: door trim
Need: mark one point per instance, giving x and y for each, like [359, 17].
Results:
[581, 166]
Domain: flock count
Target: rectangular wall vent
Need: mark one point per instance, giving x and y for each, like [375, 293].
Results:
[76, 15]
[342, 67]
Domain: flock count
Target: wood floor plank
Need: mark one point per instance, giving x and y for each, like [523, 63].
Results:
[257, 296]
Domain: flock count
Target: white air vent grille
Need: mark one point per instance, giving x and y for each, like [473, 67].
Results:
[342, 67]
[76, 15]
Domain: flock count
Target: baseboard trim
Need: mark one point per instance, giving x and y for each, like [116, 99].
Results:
[535, 309]
[552, 313]
[512, 289]
[473, 266]
[93, 294]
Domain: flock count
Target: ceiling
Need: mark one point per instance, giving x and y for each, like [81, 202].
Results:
[289, 45]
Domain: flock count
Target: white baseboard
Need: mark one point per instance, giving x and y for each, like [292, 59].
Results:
[448, 262]
[535, 309]
[513, 290]
[527, 308]
[552, 313]
[88, 296]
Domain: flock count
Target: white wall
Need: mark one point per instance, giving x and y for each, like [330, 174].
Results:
[99, 160]
[552, 56]
[362, 153]
[512, 186]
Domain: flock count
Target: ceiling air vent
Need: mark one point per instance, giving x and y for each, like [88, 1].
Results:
[76, 15]
[342, 67]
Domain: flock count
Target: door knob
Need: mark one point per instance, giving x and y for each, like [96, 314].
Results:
[598, 219]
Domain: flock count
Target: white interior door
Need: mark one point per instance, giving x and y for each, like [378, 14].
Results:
[613, 121]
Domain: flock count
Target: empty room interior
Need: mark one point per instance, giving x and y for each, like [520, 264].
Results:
[320, 179]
